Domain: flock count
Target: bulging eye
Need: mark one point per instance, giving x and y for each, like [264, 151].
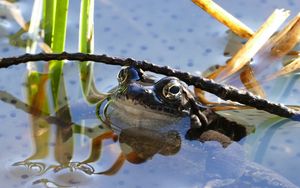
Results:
[123, 75]
[172, 90]
[128, 74]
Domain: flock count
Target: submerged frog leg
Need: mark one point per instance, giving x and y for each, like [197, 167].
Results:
[97, 146]
[115, 167]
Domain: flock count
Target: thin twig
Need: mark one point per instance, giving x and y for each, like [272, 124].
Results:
[224, 92]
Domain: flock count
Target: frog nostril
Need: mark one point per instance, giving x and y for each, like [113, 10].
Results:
[148, 91]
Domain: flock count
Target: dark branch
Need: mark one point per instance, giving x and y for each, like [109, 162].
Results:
[224, 92]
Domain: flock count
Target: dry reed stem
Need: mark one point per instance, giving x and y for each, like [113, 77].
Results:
[251, 84]
[287, 39]
[291, 67]
[225, 18]
[293, 53]
[255, 43]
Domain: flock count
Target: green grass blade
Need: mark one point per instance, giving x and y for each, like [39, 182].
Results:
[64, 140]
[86, 45]
[48, 20]
[60, 25]
[86, 26]
[59, 30]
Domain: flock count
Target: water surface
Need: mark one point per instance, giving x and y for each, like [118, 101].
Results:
[175, 33]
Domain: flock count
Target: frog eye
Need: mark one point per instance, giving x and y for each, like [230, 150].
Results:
[129, 74]
[172, 90]
[123, 75]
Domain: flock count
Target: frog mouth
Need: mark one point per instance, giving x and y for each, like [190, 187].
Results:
[139, 107]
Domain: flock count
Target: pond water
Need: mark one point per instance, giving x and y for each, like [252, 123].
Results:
[37, 151]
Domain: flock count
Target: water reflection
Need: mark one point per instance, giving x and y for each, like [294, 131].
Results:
[96, 148]
[137, 144]
[47, 183]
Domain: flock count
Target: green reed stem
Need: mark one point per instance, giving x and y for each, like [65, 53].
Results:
[59, 29]
[86, 45]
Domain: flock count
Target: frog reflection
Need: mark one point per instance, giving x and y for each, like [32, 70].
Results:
[140, 144]
[137, 144]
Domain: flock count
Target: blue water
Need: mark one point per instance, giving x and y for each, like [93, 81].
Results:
[169, 32]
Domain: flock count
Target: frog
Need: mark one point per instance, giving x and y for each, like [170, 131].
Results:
[163, 101]
[140, 100]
